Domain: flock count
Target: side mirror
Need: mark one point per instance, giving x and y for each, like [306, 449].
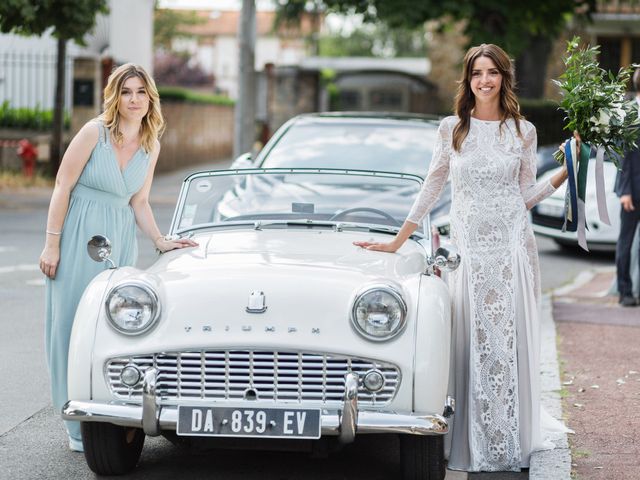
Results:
[445, 259]
[99, 249]
[242, 162]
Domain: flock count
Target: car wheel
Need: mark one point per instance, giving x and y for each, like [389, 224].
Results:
[111, 449]
[422, 457]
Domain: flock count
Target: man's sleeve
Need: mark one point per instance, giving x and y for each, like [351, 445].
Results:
[623, 180]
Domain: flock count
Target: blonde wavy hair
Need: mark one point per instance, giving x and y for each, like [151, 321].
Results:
[152, 123]
[465, 100]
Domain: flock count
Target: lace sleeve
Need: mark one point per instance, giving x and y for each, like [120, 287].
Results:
[436, 178]
[532, 192]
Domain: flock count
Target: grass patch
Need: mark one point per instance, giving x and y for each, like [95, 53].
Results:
[11, 180]
[579, 453]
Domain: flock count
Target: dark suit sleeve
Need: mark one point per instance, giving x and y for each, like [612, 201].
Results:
[623, 182]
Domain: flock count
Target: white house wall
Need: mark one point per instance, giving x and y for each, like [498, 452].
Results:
[27, 64]
[131, 32]
[226, 65]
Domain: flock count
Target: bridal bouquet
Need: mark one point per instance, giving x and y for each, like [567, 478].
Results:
[595, 106]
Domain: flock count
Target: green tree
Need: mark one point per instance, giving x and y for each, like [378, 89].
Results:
[169, 24]
[524, 29]
[376, 40]
[68, 20]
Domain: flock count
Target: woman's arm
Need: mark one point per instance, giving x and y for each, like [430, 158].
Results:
[144, 215]
[428, 196]
[534, 192]
[73, 162]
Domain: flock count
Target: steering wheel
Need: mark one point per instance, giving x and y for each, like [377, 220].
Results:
[348, 211]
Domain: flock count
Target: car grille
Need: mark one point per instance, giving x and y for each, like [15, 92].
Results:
[547, 221]
[226, 375]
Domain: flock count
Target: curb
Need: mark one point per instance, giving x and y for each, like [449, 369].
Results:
[550, 464]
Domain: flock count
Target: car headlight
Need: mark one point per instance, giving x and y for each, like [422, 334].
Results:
[379, 313]
[132, 308]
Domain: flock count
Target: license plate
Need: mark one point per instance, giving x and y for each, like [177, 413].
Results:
[550, 210]
[248, 422]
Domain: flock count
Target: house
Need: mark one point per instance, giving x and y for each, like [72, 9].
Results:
[28, 64]
[614, 27]
[213, 44]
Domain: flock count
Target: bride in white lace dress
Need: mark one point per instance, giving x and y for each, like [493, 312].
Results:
[489, 152]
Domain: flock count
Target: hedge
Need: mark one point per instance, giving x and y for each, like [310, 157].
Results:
[28, 118]
[179, 94]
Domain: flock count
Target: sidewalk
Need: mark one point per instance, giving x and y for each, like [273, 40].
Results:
[600, 354]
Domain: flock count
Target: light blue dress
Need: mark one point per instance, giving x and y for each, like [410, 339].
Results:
[99, 204]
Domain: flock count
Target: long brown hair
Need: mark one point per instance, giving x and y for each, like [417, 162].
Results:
[465, 100]
[152, 123]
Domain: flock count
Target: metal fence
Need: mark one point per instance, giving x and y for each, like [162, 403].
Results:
[28, 79]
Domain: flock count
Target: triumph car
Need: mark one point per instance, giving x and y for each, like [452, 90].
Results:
[275, 328]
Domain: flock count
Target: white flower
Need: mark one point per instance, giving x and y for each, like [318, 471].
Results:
[604, 117]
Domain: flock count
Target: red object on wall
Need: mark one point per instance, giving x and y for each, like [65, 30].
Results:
[28, 153]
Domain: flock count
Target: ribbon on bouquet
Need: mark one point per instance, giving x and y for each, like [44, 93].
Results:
[574, 206]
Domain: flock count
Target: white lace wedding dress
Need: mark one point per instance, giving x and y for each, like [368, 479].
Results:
[495, 291]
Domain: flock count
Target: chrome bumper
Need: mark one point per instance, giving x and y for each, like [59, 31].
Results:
[153, 417]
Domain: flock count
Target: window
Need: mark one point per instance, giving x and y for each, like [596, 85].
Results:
[350, 100]
[385, 99]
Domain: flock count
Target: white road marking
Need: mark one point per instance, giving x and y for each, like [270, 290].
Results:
[7, 249]
[37, 282]
[24, 267]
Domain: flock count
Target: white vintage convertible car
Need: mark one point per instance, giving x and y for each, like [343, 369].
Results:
[275, 327]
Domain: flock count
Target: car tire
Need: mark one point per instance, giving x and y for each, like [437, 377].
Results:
[111, 449]
[422, 457]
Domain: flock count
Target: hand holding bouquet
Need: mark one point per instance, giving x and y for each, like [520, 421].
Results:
[594, 102]
[595, 106]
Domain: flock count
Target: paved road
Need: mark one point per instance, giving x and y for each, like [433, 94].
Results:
[31, 440]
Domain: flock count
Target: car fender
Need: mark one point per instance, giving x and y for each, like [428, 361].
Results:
[432, 347]
[90, 310]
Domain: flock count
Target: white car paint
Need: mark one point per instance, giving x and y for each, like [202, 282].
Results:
[600, 236]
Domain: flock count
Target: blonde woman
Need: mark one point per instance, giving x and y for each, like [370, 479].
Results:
[489, 151]
[102, 187]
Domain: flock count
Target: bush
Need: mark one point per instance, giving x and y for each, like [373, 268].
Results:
[548, 120]
[179, 94]
[28, 118]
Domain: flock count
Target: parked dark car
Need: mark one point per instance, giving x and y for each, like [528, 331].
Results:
[365, 141]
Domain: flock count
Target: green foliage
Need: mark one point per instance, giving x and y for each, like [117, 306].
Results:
[70, 19]
[508, 23]
[169, 24]
[179, 94]
[28, 118]
[376, 40]
[594, 101]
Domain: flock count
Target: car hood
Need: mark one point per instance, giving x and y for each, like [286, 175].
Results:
[309, 279]
[291, 250]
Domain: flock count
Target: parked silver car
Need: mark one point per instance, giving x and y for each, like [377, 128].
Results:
[365, 141]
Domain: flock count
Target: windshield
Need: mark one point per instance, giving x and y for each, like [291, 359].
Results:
[393, 147]
[278, 196]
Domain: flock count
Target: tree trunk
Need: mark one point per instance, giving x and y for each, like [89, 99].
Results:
[531, 68]
[56, 148]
